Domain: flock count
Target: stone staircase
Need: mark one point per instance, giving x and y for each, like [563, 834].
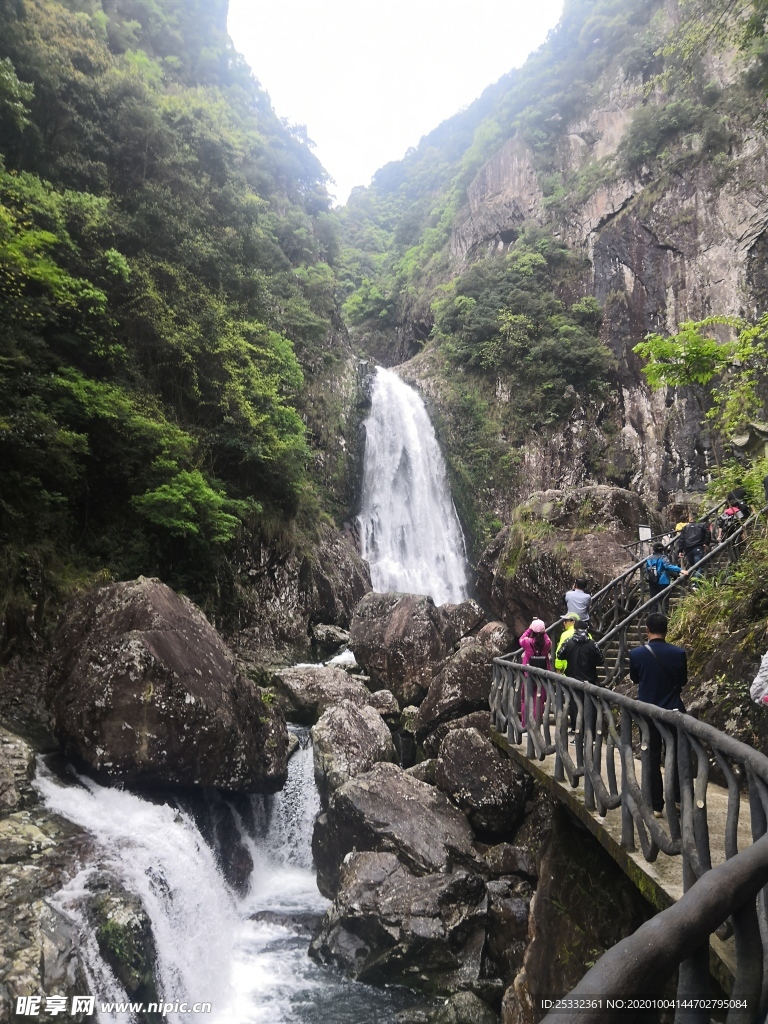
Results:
[617, 642]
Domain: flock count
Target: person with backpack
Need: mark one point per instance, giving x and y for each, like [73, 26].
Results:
[694, 540]
[569, 625]
[657, 573]
[536, 647]
[582, 657]
[737, 511]
[660, 671]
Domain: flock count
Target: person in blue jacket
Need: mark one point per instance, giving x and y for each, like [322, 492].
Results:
[659, 572]
[660, 671]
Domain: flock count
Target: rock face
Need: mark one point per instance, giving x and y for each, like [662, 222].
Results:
[554, 537]
[488, 787]
[142, 690]
[304, 692]
[399, 639]
[584, 904]
[387, 811]
[387, 925]
[285, 597]
[39, 853]
[347, 741]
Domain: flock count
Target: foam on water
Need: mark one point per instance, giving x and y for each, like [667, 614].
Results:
[247, 956]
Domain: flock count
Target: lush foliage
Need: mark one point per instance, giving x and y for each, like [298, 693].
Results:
[503, 322]
[733, 371]
[165, 289]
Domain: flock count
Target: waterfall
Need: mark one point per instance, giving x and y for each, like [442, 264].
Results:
[246, 955]
[410, 532]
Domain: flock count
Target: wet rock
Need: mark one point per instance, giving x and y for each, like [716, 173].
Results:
[386, 810]
[304, 922]
[40, 853]
[304, 692]
[143, 690]
[347, 741]
[480, 720]
[124, 935]
[389, 926]
[399, 639]
[459, 620]
[508, 910]
[462, 685]
[329, 639]
[464, 1008]
[506, 859]
[424, 771]
[17, 764]
[488, 787]
[386, 704]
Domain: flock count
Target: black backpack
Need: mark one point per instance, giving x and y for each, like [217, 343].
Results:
[652, 572]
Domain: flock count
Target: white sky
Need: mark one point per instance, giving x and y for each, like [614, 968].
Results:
[368, 80]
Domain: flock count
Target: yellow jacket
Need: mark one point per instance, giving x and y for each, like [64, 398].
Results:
[560, 663]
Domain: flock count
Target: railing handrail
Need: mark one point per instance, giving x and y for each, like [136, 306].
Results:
[606, 725]
[703, 518]
[734, 748]
[637, 612]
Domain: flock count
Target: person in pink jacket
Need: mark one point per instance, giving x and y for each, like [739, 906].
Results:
[537, 648]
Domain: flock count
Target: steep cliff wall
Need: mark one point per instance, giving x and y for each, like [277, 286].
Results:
[659, 186]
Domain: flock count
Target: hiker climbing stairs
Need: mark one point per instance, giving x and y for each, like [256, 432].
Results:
[619, 609]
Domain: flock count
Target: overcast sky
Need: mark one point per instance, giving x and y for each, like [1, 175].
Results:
[368, 80]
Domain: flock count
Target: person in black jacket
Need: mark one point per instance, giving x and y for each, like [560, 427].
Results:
[695, 538]
[660, 671]
[582, 657]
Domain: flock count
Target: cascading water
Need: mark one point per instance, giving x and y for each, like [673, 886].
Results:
[247, 956]
[410, 532]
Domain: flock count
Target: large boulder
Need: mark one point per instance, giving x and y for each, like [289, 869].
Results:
[388, 926]
[142, 690]
[388, 811]
[347, 741]
[480, 720]
[460, 620]
[464, 1008]
[488, 787]
[462, 685]
[304, 692]
[400, 641]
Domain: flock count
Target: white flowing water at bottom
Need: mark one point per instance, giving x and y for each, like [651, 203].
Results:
[247, 956]
[410, 533]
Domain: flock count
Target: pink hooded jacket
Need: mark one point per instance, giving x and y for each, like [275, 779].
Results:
[535, 645]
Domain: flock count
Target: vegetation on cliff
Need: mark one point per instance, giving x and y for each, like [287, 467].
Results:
[641, 99]
[167, 296]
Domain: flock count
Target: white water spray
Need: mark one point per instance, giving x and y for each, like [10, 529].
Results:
[158, 854]
[247, 956]
[410, 533]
